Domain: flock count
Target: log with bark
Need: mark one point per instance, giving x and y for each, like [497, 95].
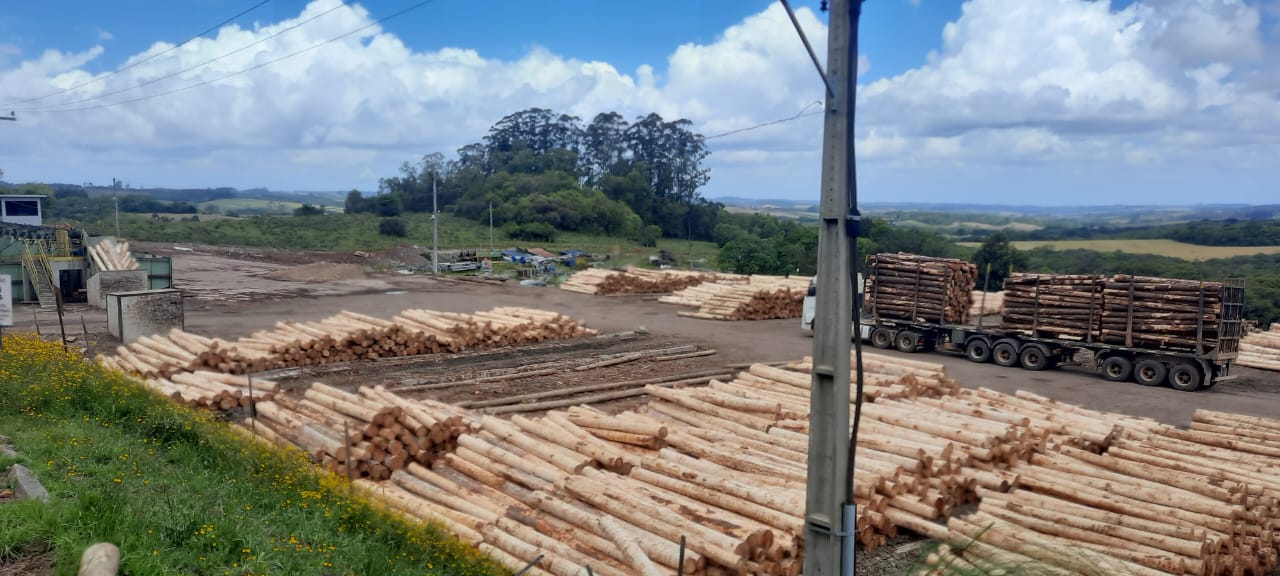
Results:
[919, 288]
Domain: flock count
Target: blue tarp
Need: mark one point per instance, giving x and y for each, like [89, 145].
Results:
[574, 252]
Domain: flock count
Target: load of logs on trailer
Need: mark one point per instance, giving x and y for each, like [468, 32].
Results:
[919, 288]
[347, 336]
[1125, 310]
[1261, 349]
[986, 304]
[753, 298]
[723, 466]
[109, 256]
[632, 280]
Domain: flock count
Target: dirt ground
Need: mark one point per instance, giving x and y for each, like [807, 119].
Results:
[229, 295]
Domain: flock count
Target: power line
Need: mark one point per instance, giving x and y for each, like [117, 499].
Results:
[801, 114]
[57, 107]
[148, 58]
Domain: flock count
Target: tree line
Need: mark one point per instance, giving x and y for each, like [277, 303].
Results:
[1229, 232]
[538, 170]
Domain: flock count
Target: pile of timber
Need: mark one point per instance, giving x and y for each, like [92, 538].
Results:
[758, 298]
[919, 288]
[1070, 306]
[986, 303]
[1203, 501]
[1146, 311]
[109, 256]
[632, 280]
[345, 337]
[370, 434]
[1261, 349]
[1127, 310]
[213, 390]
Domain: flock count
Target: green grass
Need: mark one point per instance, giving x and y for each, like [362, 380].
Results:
[1172, 248]
[259, 206]
[181, 494]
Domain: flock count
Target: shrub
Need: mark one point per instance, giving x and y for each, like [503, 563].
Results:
[533, 231]
[393, 227]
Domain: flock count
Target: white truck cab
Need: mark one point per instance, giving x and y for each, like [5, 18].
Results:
[811, 306]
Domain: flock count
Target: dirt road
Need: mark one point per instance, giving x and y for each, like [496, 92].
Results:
[230, 297]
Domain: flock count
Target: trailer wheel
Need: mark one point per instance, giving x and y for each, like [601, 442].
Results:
[1150, 372]
[1116, 368]
[882, 338]
[978, 351]
[908, 341]
[1034, 358]
[1185, 377]
[1005, 353]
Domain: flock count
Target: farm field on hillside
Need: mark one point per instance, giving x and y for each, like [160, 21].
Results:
[1158, 247]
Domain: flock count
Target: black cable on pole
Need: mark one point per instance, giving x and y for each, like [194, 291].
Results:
[854, 224]
[797, 116]
[59, 107]
[256, 66]
[148, 58]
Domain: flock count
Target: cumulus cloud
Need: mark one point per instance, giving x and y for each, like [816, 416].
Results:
[1014, 82]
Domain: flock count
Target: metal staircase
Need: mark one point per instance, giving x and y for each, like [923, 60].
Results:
[36, 261]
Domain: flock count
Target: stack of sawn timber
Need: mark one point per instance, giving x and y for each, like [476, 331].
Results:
[1261, 349]
[759, 298]
[1127, 310]
[370, 434]
[347, 336]
[109, 256]
[632, 280]
[1066, 305]
[1204, 501]
[919, 288]
[213, 390]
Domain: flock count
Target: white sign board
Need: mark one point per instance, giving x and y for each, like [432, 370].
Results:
[6, 300]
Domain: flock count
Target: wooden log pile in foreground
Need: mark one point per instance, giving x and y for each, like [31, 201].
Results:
[344, 337]
[1261, 349]
[1159, 501]
[919, 288]
[368, 434]
[1127, 310]
[632, 280]
[214, 390]
[109, 256]
[756, 298]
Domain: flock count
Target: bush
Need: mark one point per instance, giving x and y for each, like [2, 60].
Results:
[533, 231]
[393, 227]
[649, 236]
[308, 210]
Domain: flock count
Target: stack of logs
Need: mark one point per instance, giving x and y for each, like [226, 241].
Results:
[1066, 305]
[370, 434]
[632, 280]
[1203, 501]
[986, 303]
[109, 256]
[919, 288]
[1261, 349]
[344, 337]
[757, 298]
[213, 390]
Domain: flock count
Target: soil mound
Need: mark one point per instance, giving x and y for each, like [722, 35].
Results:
[319, 272]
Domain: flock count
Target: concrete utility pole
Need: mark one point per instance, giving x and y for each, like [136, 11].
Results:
[829, 509]
[435, 229]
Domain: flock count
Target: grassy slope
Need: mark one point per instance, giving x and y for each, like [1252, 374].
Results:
[344, 232]
[1158, 247]
[180, 494]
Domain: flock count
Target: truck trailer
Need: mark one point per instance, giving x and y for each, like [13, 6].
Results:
[1121, 354]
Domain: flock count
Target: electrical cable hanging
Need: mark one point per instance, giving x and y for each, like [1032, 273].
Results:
[142, 61]
[797, 116]
[59, 107]
[254, 67]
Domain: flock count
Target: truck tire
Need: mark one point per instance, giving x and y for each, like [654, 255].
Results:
[1034, 358]
[882, 338]
[1116, 369]
[1150, 372]
[908, 341]
[1185, 377]
[1005, 353]
[978, 351]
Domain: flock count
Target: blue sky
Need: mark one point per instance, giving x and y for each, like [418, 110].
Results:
[1006, 101]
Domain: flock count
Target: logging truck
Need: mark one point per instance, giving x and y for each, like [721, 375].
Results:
[1185, 364]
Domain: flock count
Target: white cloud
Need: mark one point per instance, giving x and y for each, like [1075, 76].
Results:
[104, 35]
[1065, 83]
